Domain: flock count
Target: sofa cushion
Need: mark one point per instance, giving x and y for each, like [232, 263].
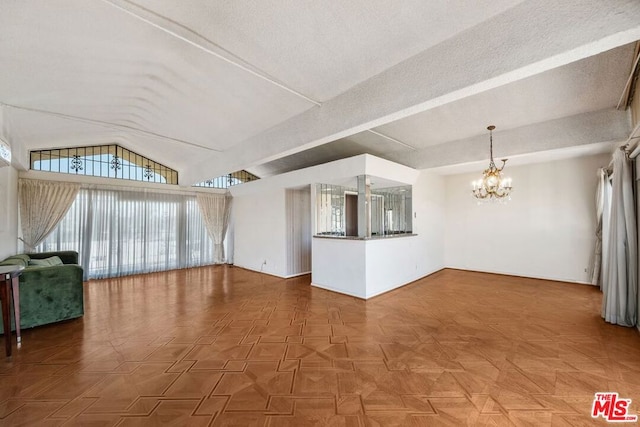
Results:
[23, 257]
[51, 261]
[55, 260]
[22, 260]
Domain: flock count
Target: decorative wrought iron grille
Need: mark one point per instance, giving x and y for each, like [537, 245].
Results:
[107, 161]
[229, 180]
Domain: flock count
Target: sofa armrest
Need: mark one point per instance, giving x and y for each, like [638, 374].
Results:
[67, 257]
[66, 273]
[50, 294]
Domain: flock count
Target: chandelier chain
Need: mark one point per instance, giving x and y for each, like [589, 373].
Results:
[491, 147]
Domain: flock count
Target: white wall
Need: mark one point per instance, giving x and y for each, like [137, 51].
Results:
[8, 211]
[545, 231]
[396, 262]
[340, 265]
[392, 263]
[259, 232]
[366, 268]
[429, 222]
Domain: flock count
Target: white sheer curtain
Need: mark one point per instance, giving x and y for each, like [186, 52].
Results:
[596, 260]
[215, 209]
[42, 205]
[620, 281]
[606, 221]
[120, 232]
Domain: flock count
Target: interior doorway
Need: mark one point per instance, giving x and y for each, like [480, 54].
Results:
[351, 214]
[298, 209]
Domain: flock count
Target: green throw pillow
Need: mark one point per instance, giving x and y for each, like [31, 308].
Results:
[54, 260]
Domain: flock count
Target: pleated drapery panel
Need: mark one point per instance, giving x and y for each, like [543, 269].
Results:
[43, 204]
[216, 210]
[620, 280]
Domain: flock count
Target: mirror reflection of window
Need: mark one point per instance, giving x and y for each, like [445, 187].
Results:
[397, 209]
[336, 211]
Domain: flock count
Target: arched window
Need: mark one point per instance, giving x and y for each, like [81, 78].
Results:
[107, 161]
[229, 180]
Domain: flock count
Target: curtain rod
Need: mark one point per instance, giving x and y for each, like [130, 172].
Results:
[119, 185]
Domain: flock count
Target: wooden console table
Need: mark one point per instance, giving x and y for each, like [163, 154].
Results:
[9, 286]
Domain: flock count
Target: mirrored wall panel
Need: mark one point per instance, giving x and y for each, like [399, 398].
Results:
[391, 211]
[330, 209]
[337, 211]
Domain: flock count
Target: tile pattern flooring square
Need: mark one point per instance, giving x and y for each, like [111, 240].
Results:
[223, 346]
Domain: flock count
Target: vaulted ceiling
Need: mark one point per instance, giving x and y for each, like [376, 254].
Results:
[210, 87]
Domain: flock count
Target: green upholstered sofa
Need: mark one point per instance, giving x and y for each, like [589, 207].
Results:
[49, 294]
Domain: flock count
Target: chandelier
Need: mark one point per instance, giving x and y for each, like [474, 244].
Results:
[493, 185]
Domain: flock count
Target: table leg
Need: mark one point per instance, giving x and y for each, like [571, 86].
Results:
[15, 291]
[6, 315]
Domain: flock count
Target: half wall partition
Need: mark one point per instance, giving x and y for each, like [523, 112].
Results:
[356, 235]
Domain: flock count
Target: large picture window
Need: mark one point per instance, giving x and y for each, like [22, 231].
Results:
[121, 232]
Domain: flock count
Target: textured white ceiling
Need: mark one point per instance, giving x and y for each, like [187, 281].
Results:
[211, 87]
[89, 60]
[592, 84]
[323, 48]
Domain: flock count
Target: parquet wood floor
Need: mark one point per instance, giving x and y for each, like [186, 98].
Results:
[224, 346]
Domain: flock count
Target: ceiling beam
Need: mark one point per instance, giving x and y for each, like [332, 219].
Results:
[388, 138]
[579, 130]
[531, 38]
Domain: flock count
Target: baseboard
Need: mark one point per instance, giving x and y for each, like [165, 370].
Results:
[502, 273]
[338, 291]
[380, 293]
[258, 271]
[406, 284]
[297, 275]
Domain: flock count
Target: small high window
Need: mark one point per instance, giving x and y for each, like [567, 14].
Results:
[229, 180]
[107, 161]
